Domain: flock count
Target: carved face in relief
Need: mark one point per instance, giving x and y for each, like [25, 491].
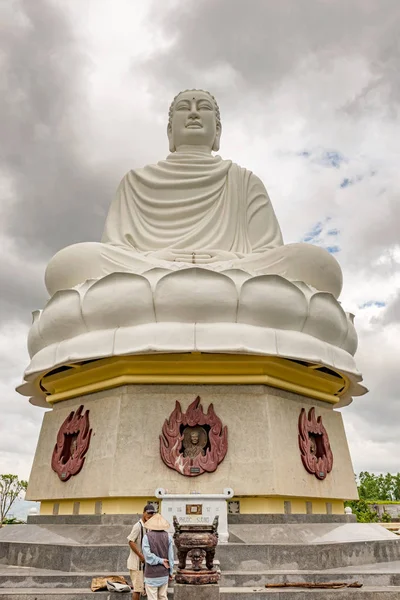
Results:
[194, 121]
[194, 441]
[194, 438]
[192, 448]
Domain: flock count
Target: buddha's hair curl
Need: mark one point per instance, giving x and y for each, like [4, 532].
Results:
[171, 108]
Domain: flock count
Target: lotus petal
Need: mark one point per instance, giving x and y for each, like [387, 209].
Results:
[238, 276]
[117, 300]
[195, 295]
[154, 275]
[307, 290]
[35, 340]
[327, 320]
[351, 342]
[61, 318]
[272, 301]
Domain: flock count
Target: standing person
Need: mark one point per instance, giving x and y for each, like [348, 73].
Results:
[158, 552]
[136, 558]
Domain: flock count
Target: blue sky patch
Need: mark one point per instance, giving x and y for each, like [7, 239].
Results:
[376, 303]
[314, 232]
[326, 158]
[332, 158]
[318, 234]
[333, 249]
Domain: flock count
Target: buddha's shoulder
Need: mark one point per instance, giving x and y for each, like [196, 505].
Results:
[248, 174]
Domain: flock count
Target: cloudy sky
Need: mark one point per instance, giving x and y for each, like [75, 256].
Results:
[309, 95]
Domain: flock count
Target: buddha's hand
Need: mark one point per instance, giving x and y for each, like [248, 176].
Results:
[199, 257]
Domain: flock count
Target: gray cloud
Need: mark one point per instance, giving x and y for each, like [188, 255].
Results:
[264, 42]
[392, 312]
[57, 198]
[278, 60]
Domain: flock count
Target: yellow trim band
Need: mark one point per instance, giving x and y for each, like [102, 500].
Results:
[306, 379]
[134, 505]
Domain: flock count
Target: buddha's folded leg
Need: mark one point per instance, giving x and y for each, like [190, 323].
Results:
[91, 260]
[298, 262]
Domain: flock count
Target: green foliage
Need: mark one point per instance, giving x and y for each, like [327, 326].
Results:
[12, 521]
[383, 488]
[386, 518]
[375, 489]
[11, 488]
[363, 511]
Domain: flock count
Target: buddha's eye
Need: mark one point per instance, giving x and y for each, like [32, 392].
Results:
[183, 107]
[205, 106]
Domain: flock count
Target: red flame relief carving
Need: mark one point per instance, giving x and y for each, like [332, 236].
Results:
[316, 453]
[73, 441]
[212, 442]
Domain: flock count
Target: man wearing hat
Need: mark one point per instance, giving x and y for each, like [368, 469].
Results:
[136, 558]
[158, 552]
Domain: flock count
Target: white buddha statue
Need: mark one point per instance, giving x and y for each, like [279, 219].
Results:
[193, 208]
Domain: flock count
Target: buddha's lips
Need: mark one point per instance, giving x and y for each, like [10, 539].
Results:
[194, 125]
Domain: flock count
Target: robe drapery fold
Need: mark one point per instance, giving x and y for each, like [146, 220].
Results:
[192, 202]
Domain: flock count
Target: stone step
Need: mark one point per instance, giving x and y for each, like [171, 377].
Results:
[59, 581]
[247, 579]
[261, 557]
[235, 579]
[232, 556]
[365, 593]
[55, 593]
[253, 593]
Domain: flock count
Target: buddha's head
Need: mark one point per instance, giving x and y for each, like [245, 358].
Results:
[194, 438]
[194, 120]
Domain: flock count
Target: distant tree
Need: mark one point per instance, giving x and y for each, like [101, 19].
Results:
[396, 487]
[10, 489]
[386, 485]
[377, 487]
[368, 486]
[363, 511]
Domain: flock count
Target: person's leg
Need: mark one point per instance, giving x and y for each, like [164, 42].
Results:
[137, 583]
[152, 592]
[162, 592]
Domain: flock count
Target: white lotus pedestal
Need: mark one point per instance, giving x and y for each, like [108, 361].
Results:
[264, 463]
[141, 353]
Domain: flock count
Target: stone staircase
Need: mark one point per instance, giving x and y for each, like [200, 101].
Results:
[48, 560]
[379, 581]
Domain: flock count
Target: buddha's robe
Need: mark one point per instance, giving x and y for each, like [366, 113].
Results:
[195, 204]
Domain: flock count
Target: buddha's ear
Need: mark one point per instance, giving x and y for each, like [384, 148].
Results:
[170, 138]
[215, 147]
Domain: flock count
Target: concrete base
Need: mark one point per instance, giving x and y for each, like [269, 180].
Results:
[368, 593]
[249, 519]
[324, 552]
[103, 548]
[196, 592]
[263, 458]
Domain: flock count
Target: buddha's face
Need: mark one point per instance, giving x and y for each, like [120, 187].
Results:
[194, 438]
[194, 121]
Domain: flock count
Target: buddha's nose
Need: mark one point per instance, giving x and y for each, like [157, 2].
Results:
[194, 113]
